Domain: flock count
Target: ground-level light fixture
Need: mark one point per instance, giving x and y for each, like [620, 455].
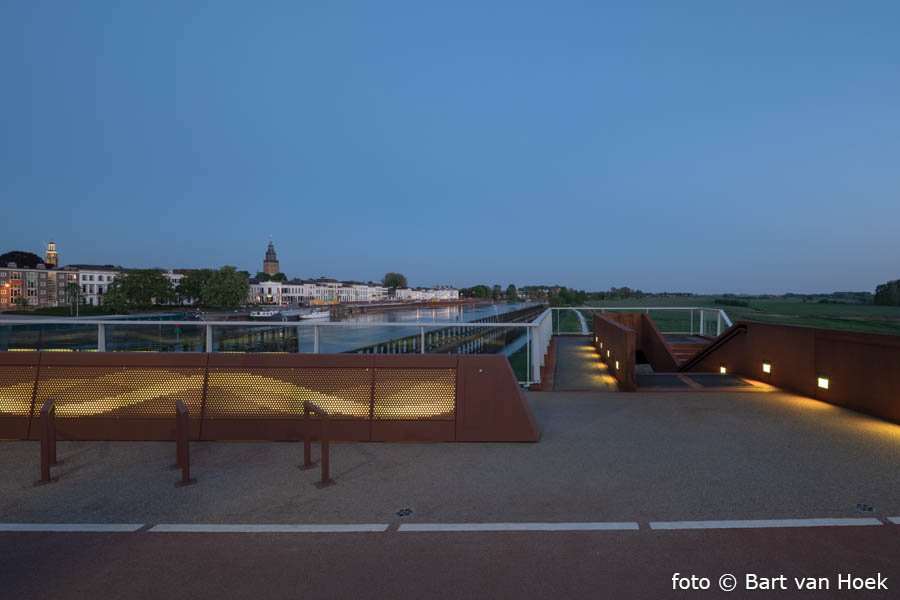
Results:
[608, 355]
[823, 382]
[767, 367]
[723, 369]
[617, 365]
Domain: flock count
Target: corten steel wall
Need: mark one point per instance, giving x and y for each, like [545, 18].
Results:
[130, 396]
[863, 369]
[648, 340]
[621, 341]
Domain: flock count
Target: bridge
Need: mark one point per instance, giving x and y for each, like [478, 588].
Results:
[654, 444]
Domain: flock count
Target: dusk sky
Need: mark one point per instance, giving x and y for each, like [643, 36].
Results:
[683, 146]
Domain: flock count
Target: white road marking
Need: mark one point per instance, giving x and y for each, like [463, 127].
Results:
[519, 527]
[72, 527]
[268, 528]
[763, 523]
[894, 520]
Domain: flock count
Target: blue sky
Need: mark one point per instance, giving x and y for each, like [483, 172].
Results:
[695, 146]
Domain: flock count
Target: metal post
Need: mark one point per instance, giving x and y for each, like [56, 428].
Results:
[48, 442]
[182, 444]
[209, 339]
[101, 337]
[718, 323]
[528, 368]
[692, 321]
[308, 463]
[422, 338]
[315, 339]
[298, 339]
[702, 332]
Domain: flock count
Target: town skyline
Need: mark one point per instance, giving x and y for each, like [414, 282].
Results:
[292, 276]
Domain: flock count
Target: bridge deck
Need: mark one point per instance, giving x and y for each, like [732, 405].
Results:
[578, 367]
[604, 458]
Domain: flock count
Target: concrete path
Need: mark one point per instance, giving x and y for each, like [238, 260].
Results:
[578, 367]
[622, 491]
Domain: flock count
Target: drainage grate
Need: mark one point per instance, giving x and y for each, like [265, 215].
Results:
[864, 508]
[404, 512]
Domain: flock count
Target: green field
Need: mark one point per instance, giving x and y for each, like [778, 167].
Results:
[789, 311]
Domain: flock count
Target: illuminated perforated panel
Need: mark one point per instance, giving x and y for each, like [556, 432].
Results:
[124, 392]
[280, 393]
[415, 394]
[16, 386]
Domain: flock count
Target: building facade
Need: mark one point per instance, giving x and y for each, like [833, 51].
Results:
[39, 287]
[332, 291]
[270, 264]
[51, 258]
[93, 281]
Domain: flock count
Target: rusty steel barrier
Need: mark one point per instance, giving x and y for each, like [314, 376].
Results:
[48, 442]
[182, 445]
[309, 407]
[129, 396]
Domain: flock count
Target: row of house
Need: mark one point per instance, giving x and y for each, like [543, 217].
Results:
[325, 291]
[43, 287]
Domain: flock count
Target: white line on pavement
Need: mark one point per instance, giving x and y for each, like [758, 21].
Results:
[518, 527]
[252, 528]
[894, 520]
[72, 527]
[763, 523]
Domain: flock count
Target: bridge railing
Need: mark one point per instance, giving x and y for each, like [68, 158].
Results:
[526, 343]
[672, 320]
[527, 340]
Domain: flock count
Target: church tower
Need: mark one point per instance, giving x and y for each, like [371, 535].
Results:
[270, 265]
[50, 257]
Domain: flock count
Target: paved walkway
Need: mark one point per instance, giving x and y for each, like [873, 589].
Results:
[578, 367]
[622, 491]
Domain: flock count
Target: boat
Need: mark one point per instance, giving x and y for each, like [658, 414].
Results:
[275, 314]
[317, 314]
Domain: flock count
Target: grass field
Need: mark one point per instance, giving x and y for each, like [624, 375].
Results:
[789, 311]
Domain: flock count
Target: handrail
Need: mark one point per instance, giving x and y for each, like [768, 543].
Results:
[48, 442]
[323, 442]
[723, 339]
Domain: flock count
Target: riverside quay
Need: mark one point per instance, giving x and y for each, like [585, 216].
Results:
[543, 450]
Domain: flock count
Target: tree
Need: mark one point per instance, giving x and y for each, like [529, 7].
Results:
[394, 280]
[227, 288]
[888, 294]
[496, 292]
[263, 277]
[115, 299]
[23, 260]
[191, 286]
[139, 289]
[512, 294]
[21, 302]
[279, 277]
[478, 291]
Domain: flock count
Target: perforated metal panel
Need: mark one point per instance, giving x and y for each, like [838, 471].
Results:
[279, 393]
[124, 392]
[16, 386]
[415, 394]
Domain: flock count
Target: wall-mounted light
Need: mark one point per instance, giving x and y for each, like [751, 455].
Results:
[607, 353]
[823, 383]
[617, 365]
[767, 367]
[601, 345]
[723, 369]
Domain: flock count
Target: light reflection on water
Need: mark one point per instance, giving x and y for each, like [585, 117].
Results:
[342, 339]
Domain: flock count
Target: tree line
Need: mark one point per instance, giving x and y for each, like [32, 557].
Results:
[224, 288]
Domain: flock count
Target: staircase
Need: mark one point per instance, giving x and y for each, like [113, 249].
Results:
[684, 348]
